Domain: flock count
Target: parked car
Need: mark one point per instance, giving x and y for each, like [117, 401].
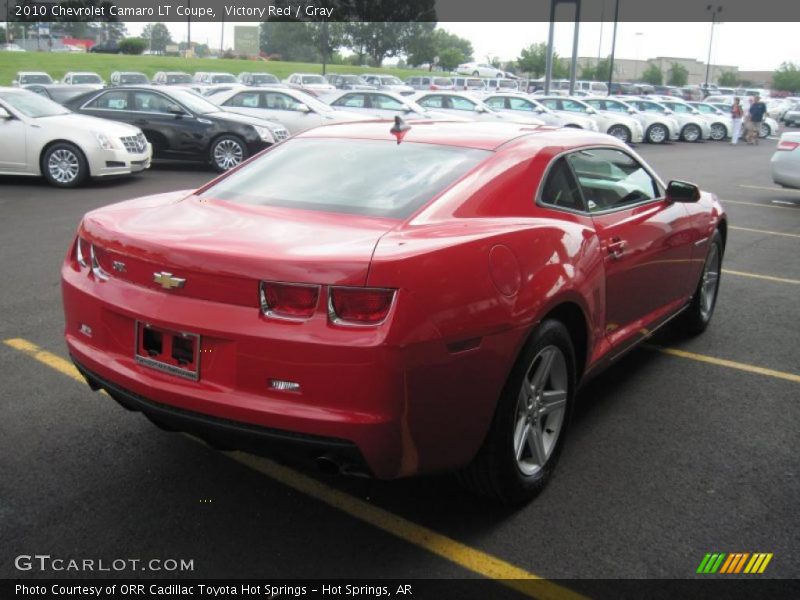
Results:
[622, 89]
[667, 90]
[792, 116]
[479, 70]
[622, 126]
[518, 104]
[769, 126]
[107, 47]
[390, 83]
[785, 163]
[383, 105]
[469, 84]
[293, 109]
[689, 126]
[217, 79]
[11, 48]
[720, 122]
[28, 77]
[182, 125]
[659, 128]
[309, 82]
[172, 78]
[258, 79]
[428, 82]
[502, 85]
[344, 81]
[83, 78]
[467, 106]
[694, 128]
[42, 138]
[128, 78]
[392, 309]
[58, 92]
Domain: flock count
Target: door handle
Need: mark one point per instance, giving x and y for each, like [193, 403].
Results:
[615, 248]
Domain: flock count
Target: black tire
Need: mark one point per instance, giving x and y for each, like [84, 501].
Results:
[718, 132]
[764, 131]
[476, 74]
[620, 132]
[495, 471]
[64, 165]
[227, 152]
[657, 134]
[691, 133]
[698, 314]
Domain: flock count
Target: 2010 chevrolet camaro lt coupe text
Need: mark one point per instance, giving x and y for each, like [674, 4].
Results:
[392, 300]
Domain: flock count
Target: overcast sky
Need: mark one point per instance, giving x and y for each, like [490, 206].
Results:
[749, 46]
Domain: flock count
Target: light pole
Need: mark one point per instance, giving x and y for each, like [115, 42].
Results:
[714, 12]
[638, 35]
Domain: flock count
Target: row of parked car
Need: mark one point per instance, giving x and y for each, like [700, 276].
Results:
[199, 118]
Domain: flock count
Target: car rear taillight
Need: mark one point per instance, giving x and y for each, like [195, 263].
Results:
[83, 251]
[787, 145]
[359, 306]
[289, 300]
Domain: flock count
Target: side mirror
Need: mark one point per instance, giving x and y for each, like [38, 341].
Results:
[303, 108]
[4, 114]
[591, 111]
[632, 111]
[682, 191]
[539, 109]
[407, 108]
[176, 110]
[480, 109]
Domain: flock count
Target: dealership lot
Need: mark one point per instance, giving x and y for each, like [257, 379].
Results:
[685, 447]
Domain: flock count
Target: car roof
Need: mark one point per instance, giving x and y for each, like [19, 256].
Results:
[476, 135]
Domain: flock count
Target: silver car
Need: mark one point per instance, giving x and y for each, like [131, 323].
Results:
[694, 128]
[389, 83]
[465, 105]
[719, 121]
[517, 104]
[383, 105]
[768, 125]
[659, 127]
[294, 109]
[622, 126]
[785, 163]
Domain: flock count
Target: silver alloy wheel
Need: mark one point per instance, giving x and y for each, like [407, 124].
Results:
[227, 154]
[764, 130]
[657, 134]
[620, 132]
[691, 133]
[541, 407]
[718, 132]
[709, 283]
[63, 166]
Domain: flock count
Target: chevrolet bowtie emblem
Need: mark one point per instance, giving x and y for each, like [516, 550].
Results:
[167, 281]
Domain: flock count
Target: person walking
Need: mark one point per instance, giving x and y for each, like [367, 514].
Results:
[736, 117]
[756, 113]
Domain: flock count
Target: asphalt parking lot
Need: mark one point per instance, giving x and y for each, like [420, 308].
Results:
[685, 447]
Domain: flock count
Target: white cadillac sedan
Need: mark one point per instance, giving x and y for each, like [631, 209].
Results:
[40, 137]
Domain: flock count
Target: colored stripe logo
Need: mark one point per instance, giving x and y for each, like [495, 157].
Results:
[734, 563]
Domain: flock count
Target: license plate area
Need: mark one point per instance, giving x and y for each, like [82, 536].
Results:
[173, 352]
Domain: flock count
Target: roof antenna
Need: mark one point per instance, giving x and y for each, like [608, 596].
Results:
[399, 129]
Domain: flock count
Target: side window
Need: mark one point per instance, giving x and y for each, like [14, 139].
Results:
[110, 101]
[520, 104]
[351, 101]
[277, 101]
[498, 103]
[148, 102]
[616, 107]
[243, 100]
[571, 106]
[611, 179]
[384, 102]
[431, 102]
[560, 188]
[462, 103]
[550, 103]
[703, 108]
[596, 104]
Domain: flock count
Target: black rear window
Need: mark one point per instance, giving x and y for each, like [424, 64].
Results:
[363, 177]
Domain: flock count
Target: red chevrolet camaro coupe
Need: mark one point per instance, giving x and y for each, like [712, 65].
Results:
[392, 302]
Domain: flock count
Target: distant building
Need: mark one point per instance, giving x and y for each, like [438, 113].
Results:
[626, 69]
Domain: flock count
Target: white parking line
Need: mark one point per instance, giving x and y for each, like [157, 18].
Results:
[771, 189]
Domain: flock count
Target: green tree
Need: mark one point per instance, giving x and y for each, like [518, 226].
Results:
[678, 75]
[157, 36]
[787, 78]
[653, 75]
[3, 35]
[291, 40]
[728, 79]
[533, 60]
[132, 45]
[424, 45]
[380, 40]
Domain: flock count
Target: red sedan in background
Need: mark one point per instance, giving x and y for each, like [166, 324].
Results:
[392, 304]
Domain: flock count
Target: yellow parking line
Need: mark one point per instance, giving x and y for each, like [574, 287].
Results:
[757, 276]
[721, 362]
[469, 558]
[796, 235]
[761, 204]
[770, 189]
